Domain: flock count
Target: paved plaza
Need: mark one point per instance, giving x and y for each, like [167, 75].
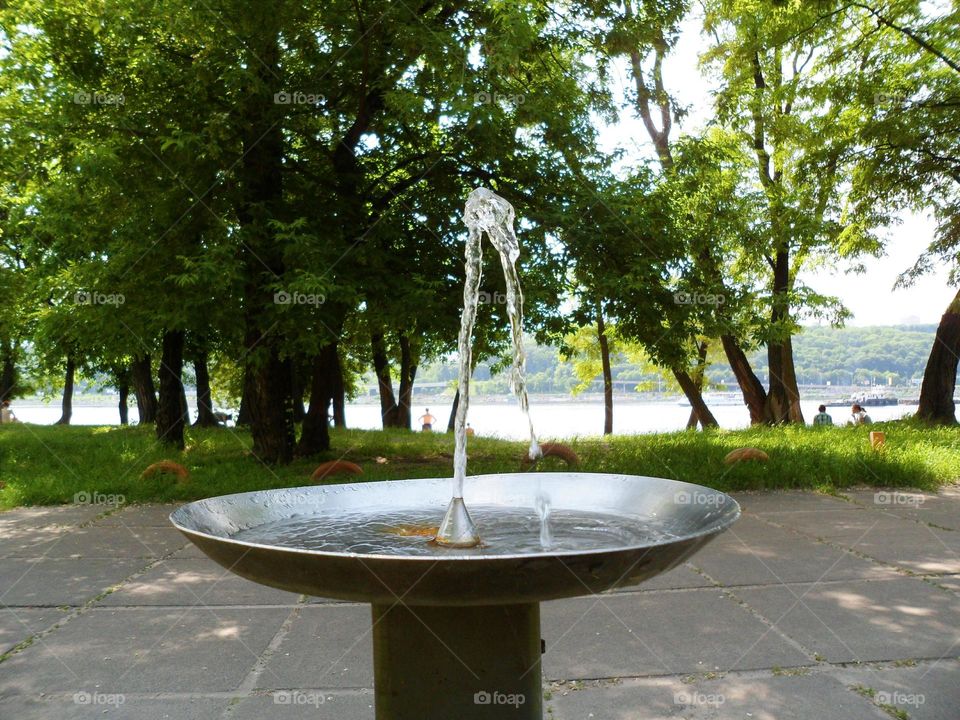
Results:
[811, 607]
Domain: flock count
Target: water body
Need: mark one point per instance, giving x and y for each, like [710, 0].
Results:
[558, 420]
[554, 420]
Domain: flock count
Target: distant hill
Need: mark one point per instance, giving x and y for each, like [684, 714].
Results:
[845, 356]
[856, 355]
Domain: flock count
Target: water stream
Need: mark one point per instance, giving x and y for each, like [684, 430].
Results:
[485, 212]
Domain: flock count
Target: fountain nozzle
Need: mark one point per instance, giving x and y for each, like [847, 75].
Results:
[457, 529]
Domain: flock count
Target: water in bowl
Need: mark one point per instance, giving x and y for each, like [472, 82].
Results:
[505, 531]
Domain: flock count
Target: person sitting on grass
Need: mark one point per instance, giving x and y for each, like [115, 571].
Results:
[6, 414]
[426, 421]
[858, 416]
[822, 417]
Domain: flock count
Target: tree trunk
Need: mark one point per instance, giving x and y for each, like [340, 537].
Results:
[783, 397]
[8, 369]
[141, 376]
[408, 375]
[260, 174]
[693, 394]
[271, 410]
[754, 394]
[940, 374]
[124, 389]
[296, 383]
[243, 412]
[699, 375]
[170, 421]
[339, 393]
[607, 375]
[451, 423]
[67, 403]
[315, 436]
[205, 416]
[184, 407]
[381, 368]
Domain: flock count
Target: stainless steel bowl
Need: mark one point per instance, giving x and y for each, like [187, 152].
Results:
[691, 513]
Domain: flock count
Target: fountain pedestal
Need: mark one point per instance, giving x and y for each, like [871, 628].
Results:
[456, 632]
[465, 662]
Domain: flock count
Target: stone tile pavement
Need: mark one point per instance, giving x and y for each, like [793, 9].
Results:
[812, 606]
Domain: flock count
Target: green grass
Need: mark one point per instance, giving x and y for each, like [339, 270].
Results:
[41, 465]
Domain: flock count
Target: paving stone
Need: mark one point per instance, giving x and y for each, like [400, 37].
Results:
[90, 706]
[307, 705]
[732, 697]
[751, 555]
[928, 551]
[188, 552]
[117, 542]
[327, 646]
[22, 541]
[863, 620]
[952, 582]
[195, 582]
[912, 546]
[144, 650]
[66, 515]
[928, 691]
[942, 508]
[798, 501]
[17, 624]
[141, 516]
[652, 633]
[60, 581]
[779, 697]
[845, 526]
[681, 577]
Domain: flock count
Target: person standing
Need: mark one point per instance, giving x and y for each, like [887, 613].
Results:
[822, 417]
[426, 421]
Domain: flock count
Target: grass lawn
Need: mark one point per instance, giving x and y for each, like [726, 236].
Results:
[41, 465]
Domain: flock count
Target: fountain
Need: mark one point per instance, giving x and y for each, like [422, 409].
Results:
[456, 607]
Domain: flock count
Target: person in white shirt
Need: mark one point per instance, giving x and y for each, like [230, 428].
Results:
[858, 416]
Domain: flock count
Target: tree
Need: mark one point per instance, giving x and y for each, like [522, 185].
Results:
[770, 103]
[894, 89]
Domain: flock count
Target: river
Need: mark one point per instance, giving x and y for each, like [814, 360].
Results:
[552, 418]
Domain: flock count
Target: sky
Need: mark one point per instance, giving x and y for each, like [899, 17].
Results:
[870, 296]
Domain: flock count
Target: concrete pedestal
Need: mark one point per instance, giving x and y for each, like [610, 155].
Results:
[462, 663]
